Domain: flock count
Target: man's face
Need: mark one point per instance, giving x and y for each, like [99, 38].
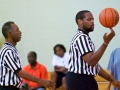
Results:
[15, 33]
[88, 22]
[31, 58]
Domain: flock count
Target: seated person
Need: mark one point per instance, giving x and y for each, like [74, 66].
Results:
[36, 69]
[60, 64]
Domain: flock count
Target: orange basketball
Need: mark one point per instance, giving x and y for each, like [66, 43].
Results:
[109, 17]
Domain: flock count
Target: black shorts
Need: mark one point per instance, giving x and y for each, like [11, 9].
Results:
[60, 75]
[80, 82]
[8, 88]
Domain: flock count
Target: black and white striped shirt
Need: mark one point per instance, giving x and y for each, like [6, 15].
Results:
[81, 44]
[9, 66]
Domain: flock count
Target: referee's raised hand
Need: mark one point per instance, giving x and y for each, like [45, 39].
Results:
[108, 36]
[47, 83]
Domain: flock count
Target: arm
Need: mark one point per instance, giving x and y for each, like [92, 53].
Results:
[15, 66]
[60, 69]
[43, 75]
[109, 85]
[110, 78]
[93, 58]
[105, 75]
[45, 83]
[57, 67]
[63, 69]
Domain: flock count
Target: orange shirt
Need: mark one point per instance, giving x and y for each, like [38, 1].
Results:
[39, 71]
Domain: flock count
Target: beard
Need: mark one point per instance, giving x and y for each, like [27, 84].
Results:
[32, 62]
[88, 29]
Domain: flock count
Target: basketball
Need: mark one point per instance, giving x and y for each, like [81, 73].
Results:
[109, 17]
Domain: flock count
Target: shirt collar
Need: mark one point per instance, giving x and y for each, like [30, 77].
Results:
[9, 44]
[37, 66]
[79, 30]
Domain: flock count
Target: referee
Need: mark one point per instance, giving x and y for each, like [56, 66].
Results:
[83, 62]
[10, 64]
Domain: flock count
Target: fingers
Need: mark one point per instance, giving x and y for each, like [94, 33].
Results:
[47, 83]
[51, 85]
[111, 29]
[105, 38]
[112, 32]
[117, 85]
[109, 35]
[105, 34]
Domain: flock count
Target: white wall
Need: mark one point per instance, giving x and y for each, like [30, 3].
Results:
[45, 23]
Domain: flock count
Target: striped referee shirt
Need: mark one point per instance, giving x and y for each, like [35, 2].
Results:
[9, 66]
[81, 44]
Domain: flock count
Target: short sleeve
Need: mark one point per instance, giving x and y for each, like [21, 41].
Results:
[66, 60]
[54, 60]
[111, 63]
[84, 44]
[12, 61]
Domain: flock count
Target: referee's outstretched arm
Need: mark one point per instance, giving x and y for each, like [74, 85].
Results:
[108, 77]
[46, 83]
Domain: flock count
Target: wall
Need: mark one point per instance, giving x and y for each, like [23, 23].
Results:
[45, 23]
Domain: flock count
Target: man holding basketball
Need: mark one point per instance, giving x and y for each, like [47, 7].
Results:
[83, 62]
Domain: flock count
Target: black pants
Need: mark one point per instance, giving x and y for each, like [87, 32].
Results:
[8, 88]
[60, 75]
[80, 82]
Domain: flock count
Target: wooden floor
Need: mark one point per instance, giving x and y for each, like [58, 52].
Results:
[102, 83]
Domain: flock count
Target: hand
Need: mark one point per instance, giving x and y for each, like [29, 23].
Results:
[116, 84]
[47, 83]
[32, 89]
[108, 36]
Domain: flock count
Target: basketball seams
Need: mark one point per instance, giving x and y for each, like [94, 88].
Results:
[112, 17]
[105, 18]
[117, 15]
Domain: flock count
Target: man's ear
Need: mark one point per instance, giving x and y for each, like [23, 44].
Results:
[9, 33]
[80, 21]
